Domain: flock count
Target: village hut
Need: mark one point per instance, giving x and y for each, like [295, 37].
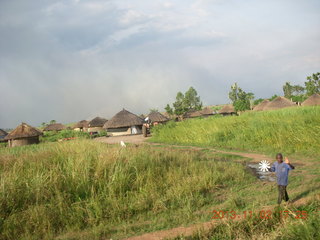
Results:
[313, 100]
[55, 127]
[227, 110]
[124, 123]
[3, 134]
[22, 135]
[261, 106]
[96, 125]
[206, 112]
[156, 118]
[81, 126]
[279, 103]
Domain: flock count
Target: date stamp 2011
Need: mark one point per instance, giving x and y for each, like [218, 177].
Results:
[263, 214]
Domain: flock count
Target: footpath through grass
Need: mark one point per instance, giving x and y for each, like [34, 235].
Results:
[291, 131]
[85, 190]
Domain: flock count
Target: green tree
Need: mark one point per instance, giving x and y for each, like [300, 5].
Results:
[179, 104]
[273, 97]
[313, 84]
[192, 100]
[287, 90]
[185, 102]
[53, 121]
[240, 99]
[169, 109]
[43, 124]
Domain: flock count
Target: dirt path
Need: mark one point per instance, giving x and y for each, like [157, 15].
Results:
[184, 231]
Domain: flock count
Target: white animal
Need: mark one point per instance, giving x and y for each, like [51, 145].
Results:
[122, 144]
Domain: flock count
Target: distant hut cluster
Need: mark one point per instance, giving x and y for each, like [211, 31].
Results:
[124, 123]
[127, 123]
[22, 135]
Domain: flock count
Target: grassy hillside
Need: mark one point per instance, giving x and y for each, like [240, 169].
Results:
[85, 188]
[290, 130]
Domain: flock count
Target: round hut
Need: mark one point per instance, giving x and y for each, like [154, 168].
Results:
[54, 127]
[81, 126]
[279, 103]
[3, 134]
[227, 110]
[261, 106]
[206, 112]
[313, 100]
[22, 135]
[124, 123]
[96, 125]
[156, 118]
[191, 114]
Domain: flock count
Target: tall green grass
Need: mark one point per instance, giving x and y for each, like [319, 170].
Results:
[52, 189]
[290, 130]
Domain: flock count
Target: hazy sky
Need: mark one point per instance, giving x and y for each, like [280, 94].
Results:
[70, 60]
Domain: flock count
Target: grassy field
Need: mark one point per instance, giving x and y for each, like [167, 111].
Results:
[83, 188]
[290, 130]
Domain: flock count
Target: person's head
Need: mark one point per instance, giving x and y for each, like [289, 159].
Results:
[279, 158]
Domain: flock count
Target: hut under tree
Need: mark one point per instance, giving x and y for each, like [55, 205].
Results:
[54, 127]
[3, 134]
[313, 100]
[96, 125]
[156, 118]
[227, 110]
[81, 126]
[124, 123]
[22, 135]
[261, 106]
[206, 112]
[279, 103]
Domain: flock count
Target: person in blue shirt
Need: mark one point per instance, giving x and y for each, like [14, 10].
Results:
[282, 171]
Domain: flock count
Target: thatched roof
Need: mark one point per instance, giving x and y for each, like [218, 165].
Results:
[206, 111]
[157, 117]
[3, 133]
[124, 118]
[278, 103]
[227, 109]
[81, 124]
[261, 106]
[97, 122]
[194, 113]
[55, 127]
[313, 100]
[23, 131]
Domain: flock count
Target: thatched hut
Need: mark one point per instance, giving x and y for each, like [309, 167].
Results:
[54, 127]
[156, 118]
[206, 112]
[96, 125]
[124, 123]
[261, 106]
[227, 110]
[22, 135]
[81, 126]
[3, 134]
[313, 100]
[279, 103]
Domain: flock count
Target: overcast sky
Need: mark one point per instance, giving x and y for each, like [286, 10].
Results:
[70, 60]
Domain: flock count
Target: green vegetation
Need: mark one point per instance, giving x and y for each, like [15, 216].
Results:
[290, 130]
[240, 99]
[185, 102]
[53, 136]
[89, 189]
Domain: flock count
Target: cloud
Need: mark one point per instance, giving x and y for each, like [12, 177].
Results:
[76, 59]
